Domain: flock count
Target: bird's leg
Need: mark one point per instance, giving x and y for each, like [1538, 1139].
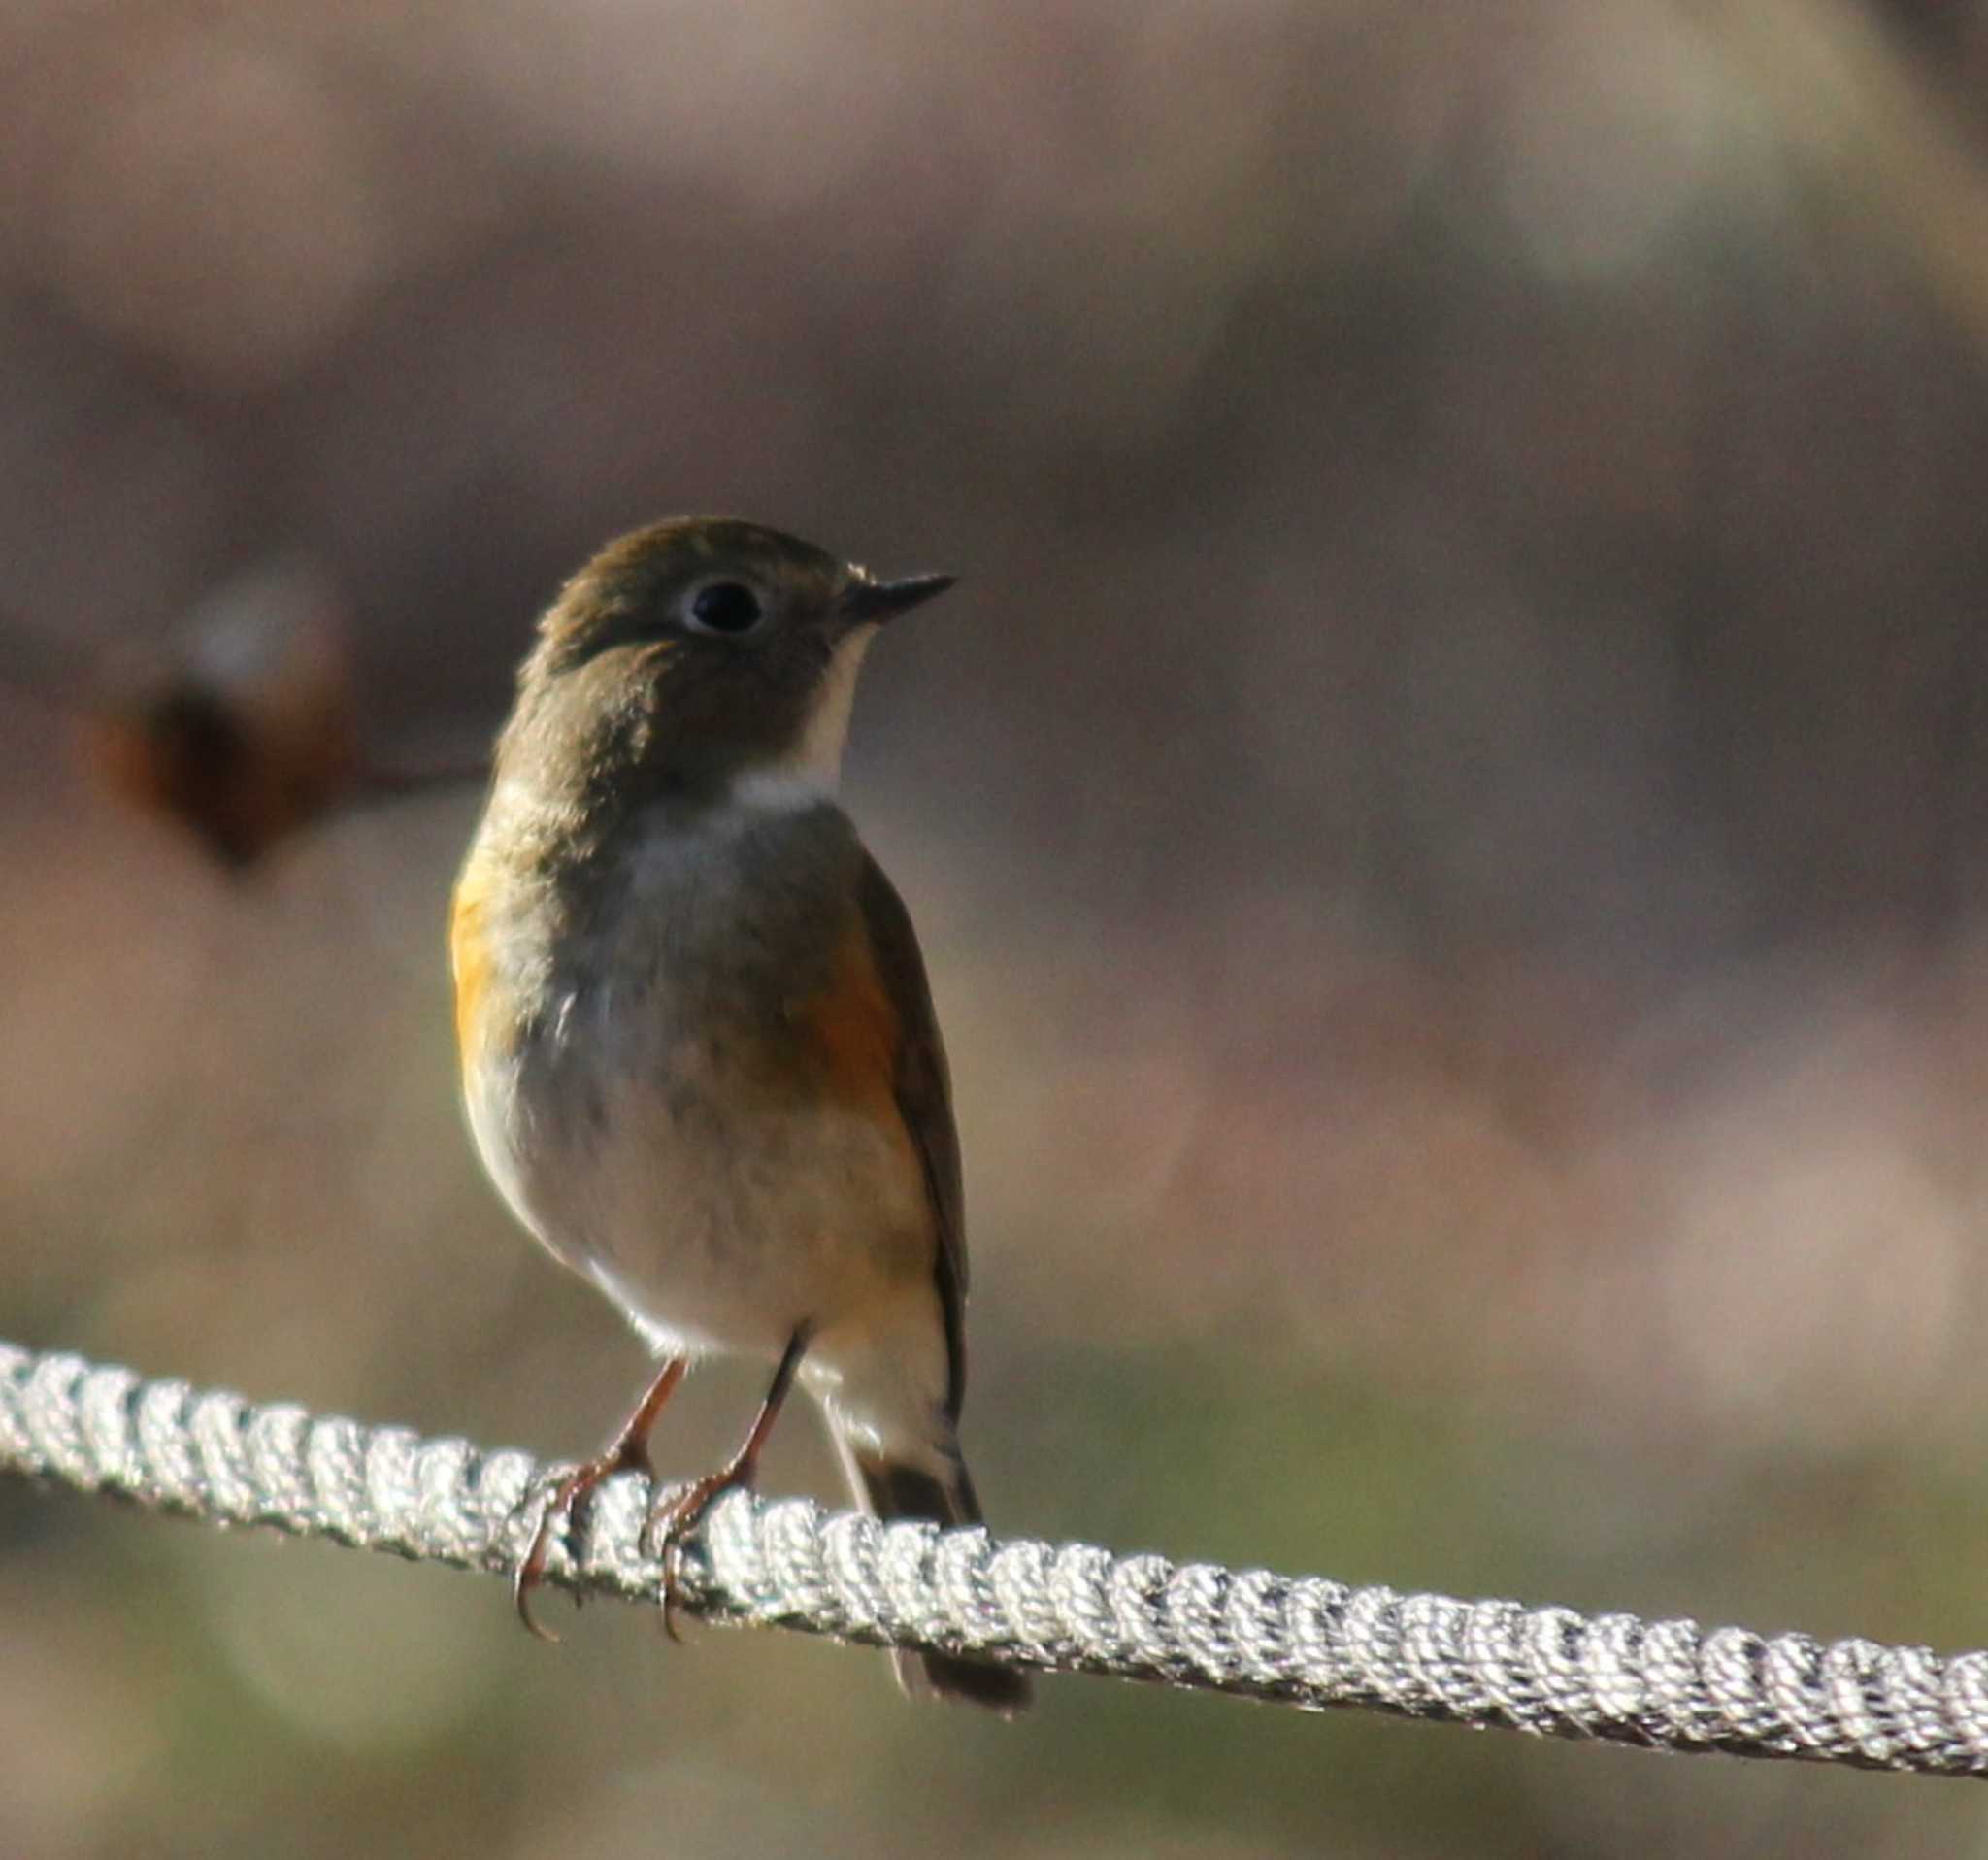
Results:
[627, 1452]
[669, 1527]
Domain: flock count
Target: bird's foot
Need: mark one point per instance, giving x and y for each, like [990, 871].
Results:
[566, 1508]
[671, 1523]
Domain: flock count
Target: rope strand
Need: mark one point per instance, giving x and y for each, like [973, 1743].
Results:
[1303, 1641]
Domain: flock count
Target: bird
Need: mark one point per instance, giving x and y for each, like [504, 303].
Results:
[700, 1059]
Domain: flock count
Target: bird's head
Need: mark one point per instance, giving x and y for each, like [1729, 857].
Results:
[704, 657]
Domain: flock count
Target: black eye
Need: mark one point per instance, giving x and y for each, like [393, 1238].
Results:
[727, 607]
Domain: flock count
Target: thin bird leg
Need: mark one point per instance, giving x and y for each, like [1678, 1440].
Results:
[668, 1529]
[627, 1452]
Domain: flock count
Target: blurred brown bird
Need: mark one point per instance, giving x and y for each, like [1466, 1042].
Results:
[242, 731]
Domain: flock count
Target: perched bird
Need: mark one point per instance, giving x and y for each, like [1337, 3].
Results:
[699, 1055]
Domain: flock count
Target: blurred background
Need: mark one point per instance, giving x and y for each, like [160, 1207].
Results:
[1447, 815]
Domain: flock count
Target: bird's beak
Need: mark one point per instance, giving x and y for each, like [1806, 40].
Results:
[871, 602]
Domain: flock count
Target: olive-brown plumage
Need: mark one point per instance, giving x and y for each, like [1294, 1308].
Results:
[699, 1053]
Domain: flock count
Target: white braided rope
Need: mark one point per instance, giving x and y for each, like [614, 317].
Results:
[1301, 1640]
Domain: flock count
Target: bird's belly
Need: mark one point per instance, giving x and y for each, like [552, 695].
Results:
[718, 1204]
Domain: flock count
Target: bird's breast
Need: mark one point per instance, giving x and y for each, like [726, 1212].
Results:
[677, 1067]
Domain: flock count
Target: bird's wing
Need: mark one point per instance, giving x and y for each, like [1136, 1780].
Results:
[922, 1087]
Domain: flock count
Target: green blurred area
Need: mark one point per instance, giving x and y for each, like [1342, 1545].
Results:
[1445, 816]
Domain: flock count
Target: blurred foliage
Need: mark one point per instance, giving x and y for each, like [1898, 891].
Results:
[1446, 819]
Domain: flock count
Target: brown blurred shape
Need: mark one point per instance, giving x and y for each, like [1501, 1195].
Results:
[243, 730]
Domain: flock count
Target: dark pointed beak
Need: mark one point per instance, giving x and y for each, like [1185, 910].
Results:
[872, 601]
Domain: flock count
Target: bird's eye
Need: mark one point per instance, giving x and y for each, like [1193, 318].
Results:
[727, 607]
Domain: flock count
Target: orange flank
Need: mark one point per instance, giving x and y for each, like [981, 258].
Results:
[469, 957]
[855, 1030]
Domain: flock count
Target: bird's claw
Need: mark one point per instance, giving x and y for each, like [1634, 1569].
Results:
[565, 1506]
[669, 1526]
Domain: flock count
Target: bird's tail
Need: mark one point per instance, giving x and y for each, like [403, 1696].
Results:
[894, 1488]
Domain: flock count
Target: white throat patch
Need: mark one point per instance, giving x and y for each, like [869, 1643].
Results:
[811, 770]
